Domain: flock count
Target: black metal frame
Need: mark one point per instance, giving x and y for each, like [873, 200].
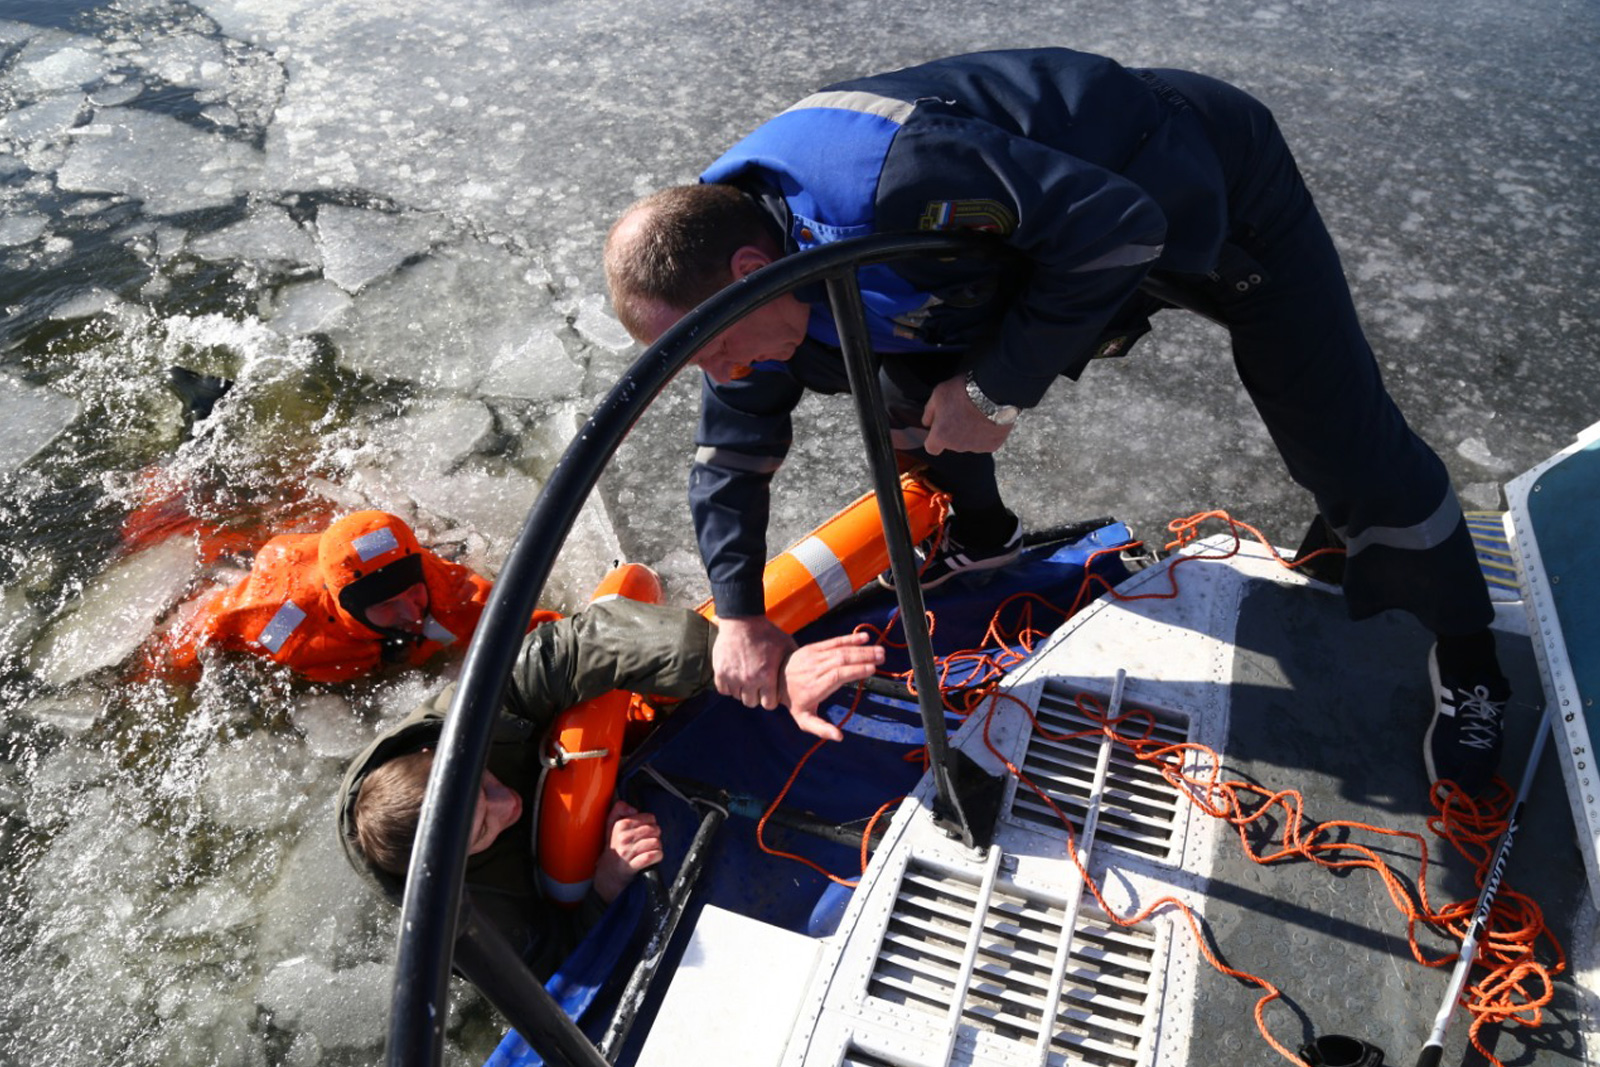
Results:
[435, 909]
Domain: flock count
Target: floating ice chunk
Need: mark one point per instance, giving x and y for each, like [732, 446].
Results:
[220, 115]
[20, 228]
[204, 1024]
[345, 1009]
[70, 772]
[597, 325]
[72, 713]
[117, 611]
[41, 125]
[427, 442]
[84, 305]
[17, 617]
[1474, 449]
[307, 307]
[215, 908]
[116, 93]
[497, 507]
[330, 727]
[67, 68]
[33, 416]
[318, 906]
[267, 234]
[1484, 496]
[258, 783]
[359, 246]
[535, 365]
[466, 319]
[168, 164]
[493, 504]
[187, 60]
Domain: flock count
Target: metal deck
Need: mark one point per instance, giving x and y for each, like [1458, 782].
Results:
[1003, 958]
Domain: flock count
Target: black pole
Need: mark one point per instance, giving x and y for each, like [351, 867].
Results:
[850, 317]
[500, 975]
[433, 885]
[1433, 1048]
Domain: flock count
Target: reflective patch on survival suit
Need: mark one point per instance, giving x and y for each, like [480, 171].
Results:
[371, 545]
[279, 628]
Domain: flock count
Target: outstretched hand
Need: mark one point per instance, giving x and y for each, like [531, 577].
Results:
[955, 425]
[813, 672]
[633, 842]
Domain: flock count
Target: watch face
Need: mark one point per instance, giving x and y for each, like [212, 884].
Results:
[1005, 415]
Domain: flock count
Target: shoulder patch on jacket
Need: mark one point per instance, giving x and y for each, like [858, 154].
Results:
[284, 622]
[988, 215]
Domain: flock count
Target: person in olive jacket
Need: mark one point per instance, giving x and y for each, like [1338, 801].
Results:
[618, 644]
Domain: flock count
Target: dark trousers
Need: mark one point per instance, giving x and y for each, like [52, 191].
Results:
[1299, 349]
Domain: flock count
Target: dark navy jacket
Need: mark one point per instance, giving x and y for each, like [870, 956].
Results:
[1095, 172]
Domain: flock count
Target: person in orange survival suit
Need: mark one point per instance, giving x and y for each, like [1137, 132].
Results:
[336, 605]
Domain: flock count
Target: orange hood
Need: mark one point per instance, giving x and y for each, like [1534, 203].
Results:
[366, 558]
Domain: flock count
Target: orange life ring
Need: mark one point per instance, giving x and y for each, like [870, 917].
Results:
[842, 556]
[584, 749]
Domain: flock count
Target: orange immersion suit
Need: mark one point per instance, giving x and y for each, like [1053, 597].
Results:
[303, 603]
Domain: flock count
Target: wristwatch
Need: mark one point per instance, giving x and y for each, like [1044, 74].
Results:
[999, 414]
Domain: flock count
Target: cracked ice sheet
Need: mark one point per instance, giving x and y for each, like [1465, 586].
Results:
[33, 417]
[471, 319]
[171, 166]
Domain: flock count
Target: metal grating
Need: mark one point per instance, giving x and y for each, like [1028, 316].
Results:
[925, 940]
[1139, 810]
[1100, 1017]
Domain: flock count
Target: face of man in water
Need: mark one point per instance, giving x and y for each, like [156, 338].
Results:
[404, 612]
[499, 806]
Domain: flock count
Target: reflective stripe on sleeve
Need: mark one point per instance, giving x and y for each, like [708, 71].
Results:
[728, 459]
[884, 107]
[1126, 256]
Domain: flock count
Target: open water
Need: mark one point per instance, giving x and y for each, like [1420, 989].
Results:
[382, 220]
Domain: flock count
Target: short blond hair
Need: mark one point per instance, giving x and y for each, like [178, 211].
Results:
[387, 809]
[673, 249]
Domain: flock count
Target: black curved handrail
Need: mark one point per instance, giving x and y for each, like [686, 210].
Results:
[433, 897]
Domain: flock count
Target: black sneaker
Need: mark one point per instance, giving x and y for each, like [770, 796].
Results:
[951, 558]
[1463, 741]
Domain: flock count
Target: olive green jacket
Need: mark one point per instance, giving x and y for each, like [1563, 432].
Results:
[619, 644]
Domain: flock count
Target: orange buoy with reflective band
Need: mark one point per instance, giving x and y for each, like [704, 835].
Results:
[842, 556]
[583, 751]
